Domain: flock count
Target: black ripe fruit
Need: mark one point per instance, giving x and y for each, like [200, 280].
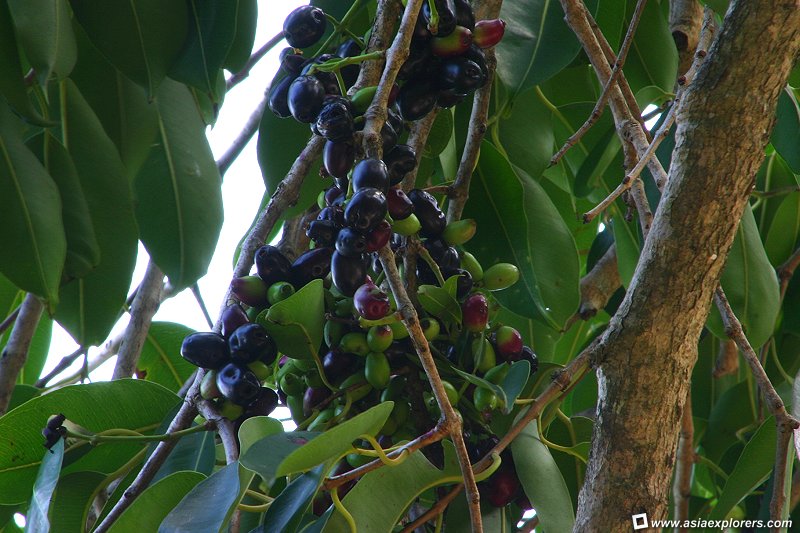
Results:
[232, 318]
[323, 232]
[417, 98]
[366, 209]
[335, 122]
[400, 161]
[264, 404]
[272, 265]
[447, 15]
[304, 26]
[339, 365]
[370, 173]
[400, 206]
[238, 384]
[206, 350]
[306, 94]
[311, 265]
[460, 75]
[351, 243]
[426, 208]
[279, 97]
[464, 15]
[250, 343]
[338, 158]
[348, 273]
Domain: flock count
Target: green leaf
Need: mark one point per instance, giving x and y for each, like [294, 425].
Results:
[45, 32]
[438, 302]
[21, 394]
[786, 134]
[335, 441]
[397, 486]
[129, 404]
[750, 284]
[179, 191]
[653, 59]
[11, 298]
[246, 18]
[288, 507]
[751, 470]
[12, 83]
[73, 499]
[518, 223]
[205, 506]
[529, 148]
[731, 413]
[266, 455]
[195, 452]
[543, 483]
[90, 305]
[626, 236]
[441, 132]
[30, 221]
[153, 505]
[46, 479]
[161, 357]
[255, 429]
[784, 230]
[514, 382]
[279, 142]
[212, 27]
[142, 38]
[296, 323]
[536, 45]
[482, 383]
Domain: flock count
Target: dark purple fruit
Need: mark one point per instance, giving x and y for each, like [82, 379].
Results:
[348, 273]
[323, 232]
[371, 302]
[313, 397]
[427, 210]
[460, 75]
[400, 161]
[370, 173]
[366, 209]
[264, 404]
[417, 98]
[334, 213]
[328, 79]
[475, 312]
[304, 26]
[238, 384]
[399, 205]
[233, 317]
[379, 236]
[388, 137]
[503, 487]
[206, 350]
[447, 16]
[305, 97]
[351, 243]
[477, 56]
[339, 365]
[279, 97]
[338, 158]
[445, 255]
[448, 99]
[527, 355]
[250, 290]
[311, 265]
[419, 63]
[335, 122]
[464, 15]
[291, 62]
[334, 196]
[394, 119]
[272, 265]
[464, 283]
[251, 342]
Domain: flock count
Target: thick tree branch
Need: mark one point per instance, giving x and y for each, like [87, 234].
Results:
[15, 353]
[685, 19]
[599, 284]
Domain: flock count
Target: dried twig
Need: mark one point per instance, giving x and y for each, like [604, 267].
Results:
[240, 76]
[681, 488]
[15, 353]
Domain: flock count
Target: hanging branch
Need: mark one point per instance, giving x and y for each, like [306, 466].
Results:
[240, 76]
[15, 353]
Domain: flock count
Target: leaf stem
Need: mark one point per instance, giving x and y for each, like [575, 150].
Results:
[128, 435]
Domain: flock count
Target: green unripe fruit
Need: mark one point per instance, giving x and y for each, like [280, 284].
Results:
[332, 332]
[356, 386]
[230, 410]
[400, 412]
[408, 226]
[500, 276]
[287, 368]
[208, 387]
[379, 338]
[395, 389]
[362, 99]
[344, 308]
[304, 365]
[321, 200]
[314, 380]
[389, 427]
[260, 369]
[471, 265]
[295, 405]
[322, 418]
[452, 393]
[292, 385]
[430, 328]
[252, 313]
[460, 231]
[377, 370]
[483, 355]
[399, 330]
[497, 374]
[355, 460]
[354, 342]
[279, 291]
[484, 399]
[250, 290]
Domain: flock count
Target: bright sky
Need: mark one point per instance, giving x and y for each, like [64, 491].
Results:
[242, 191]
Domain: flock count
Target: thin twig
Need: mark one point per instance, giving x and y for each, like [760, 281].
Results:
[681, 488]
[202, 304]
[144, 306]
[15, 353]
[240, 76]
[786, 271]
[615, 72]
[417, 138]
[7, 321]
[62, 365]
[780, 191]
[435, 510]
[238, 145]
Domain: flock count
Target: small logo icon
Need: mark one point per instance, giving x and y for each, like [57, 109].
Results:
[639, 521]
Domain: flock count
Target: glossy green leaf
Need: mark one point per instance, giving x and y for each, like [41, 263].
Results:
[246, 17]
[731, 413]
[205, 506]
[128, 404]
[161, 358]
[530, 148]
[30, 221]
[482, 383]
[45, 32]
[296, 323]
[211, 30]
[611, 19]
[153, 505]
[11, 298]
[257, 428]
[514, 382]
[335, 441]
[21, 394]
[72, 501]
[543, 483]
[266, 455]
[288, 507]
[751, 285]
[752, 469]
[784, 230]
[398, 486]
[195, 452]
[536, 45]
[786, 134]
[438, 302]
[774, 175]
[142, 38]
[89, 306]
[179, 193]
[46, 480]
[653, 59]
[440, 135]
[518, 223]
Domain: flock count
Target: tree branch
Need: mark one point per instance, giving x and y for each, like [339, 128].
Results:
[417, 138]
[240, 142]
[15, 353]
[681, 488]
[685, 19]
[9, 320]
[240, 76]
[786, 271]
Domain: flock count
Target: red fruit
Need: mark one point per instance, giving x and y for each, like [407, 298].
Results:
[454, 44]
[508, 342]
[371, 302]
[232, 317]
[400, 205]
[377, 238]
[475, 312]
[503, 487]
[250, 290]
[488, 33]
